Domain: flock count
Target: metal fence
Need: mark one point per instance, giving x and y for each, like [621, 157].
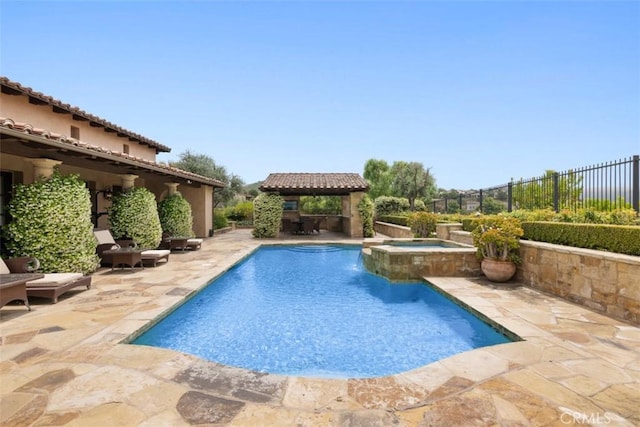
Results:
[607, 186]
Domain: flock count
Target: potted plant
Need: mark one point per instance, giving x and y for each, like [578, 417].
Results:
[497, 238]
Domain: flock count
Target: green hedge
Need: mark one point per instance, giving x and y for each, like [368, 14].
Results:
[469, 224]
[267, 215]
[395, 219]
[365, 208]
[621, 239]
[175, 216]
[423, 224]
[220, 219]
[134, 215]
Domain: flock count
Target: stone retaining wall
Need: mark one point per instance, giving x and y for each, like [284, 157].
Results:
[453, 232]
[603, 281]
[392, 230]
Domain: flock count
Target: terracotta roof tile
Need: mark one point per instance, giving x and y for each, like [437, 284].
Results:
[318, 183]
[17, 88]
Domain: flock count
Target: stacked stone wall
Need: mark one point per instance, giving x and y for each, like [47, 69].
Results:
[392, 230]
[605, 282]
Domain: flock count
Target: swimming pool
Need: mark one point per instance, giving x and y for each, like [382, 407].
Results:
[314, 311]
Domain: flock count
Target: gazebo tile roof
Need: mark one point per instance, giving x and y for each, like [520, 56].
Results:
[310, 182]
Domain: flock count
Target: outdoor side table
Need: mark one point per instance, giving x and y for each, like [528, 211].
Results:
[14, 287]
[125, 257]
[176, 243]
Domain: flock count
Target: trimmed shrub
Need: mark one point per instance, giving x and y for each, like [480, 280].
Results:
[175, 216]
[419, 205]
[134, 215]
[243, 211]
[469, 224]
[395, 219]
[365, 208]
[623, 239]
[219, 219]
[423, 224]
[52, 222]
[267, 215]
[385, 205]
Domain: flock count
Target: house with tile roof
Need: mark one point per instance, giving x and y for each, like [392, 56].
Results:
[351, 187]
[39, 133]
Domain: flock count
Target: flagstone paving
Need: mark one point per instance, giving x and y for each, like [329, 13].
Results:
[65, 364]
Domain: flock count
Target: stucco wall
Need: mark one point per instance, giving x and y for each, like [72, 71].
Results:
[201, 206]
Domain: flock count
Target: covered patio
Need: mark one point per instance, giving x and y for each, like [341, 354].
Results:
[351, 187]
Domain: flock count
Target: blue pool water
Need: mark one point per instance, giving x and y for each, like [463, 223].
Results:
[314, 311]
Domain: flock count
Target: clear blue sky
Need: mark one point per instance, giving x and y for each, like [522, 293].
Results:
[480, 92]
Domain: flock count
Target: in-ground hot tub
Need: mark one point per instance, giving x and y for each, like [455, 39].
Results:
[411, 259]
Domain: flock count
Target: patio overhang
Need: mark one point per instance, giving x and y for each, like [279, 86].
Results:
[24, 143]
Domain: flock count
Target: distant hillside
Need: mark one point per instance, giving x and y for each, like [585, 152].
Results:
[254, 186]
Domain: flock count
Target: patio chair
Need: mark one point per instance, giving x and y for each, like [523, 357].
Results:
[307, 225]
[289, 226]
[106, 242]
[51, 286]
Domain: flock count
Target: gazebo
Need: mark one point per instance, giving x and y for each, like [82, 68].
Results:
[351, 187]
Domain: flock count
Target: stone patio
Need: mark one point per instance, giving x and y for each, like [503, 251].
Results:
[64, 364]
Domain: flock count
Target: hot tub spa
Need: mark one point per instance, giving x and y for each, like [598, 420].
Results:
[411, 259]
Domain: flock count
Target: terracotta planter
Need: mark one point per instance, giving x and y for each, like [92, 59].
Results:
[498, 271]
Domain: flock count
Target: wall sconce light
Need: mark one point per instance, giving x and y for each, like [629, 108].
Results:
[107, 193]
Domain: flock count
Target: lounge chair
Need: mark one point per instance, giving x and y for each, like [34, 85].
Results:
[194, 243]
[51, 286]
[106, 242]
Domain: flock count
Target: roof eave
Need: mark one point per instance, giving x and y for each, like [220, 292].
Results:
[92, 153]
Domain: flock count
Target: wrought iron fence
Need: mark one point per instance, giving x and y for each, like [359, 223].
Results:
[607, 186]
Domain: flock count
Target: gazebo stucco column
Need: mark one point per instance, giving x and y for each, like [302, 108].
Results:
[43, 168]
[172, 188]
[128, 180]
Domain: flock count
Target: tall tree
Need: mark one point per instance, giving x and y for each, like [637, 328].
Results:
[206, 166]
[412, 180]
[378, 176]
